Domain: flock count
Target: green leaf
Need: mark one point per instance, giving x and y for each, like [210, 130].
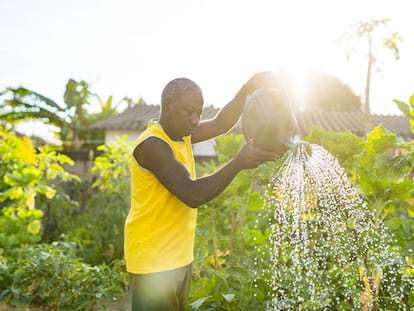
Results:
[380, 140]
[21, 91]
[34, 227]
[199, 302]
[228, 297]
[412, 101]
[395, 223]
[13, 193]
[404, 107]
[256, 202]
[49, 192]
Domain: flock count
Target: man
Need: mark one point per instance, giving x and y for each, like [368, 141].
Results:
[160, 227]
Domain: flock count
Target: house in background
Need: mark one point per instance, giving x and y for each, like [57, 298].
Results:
[133, 121]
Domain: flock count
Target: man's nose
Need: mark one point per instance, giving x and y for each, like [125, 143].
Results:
[195, 119]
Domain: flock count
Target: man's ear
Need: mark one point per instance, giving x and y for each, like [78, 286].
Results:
[165, 106]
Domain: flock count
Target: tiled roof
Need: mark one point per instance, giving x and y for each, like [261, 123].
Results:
[136, 118]
[336, 121]
[354, 121]
[396, 124]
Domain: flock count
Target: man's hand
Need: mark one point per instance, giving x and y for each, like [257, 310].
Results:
[266, 79]
[251, 157]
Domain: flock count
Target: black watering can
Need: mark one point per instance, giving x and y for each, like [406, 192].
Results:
[268, 119]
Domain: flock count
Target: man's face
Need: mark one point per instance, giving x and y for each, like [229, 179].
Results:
[184, 113]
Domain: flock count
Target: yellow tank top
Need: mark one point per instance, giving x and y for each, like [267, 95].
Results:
[159, 229]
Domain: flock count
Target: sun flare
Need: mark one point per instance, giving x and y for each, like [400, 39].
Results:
[294, 82]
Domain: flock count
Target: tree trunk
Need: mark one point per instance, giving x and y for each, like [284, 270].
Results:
[367, 110]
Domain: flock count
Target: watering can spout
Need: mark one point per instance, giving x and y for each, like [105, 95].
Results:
[300, 146]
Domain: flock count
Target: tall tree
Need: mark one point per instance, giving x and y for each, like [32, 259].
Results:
[76, 98]
[326, 92]
[371, 31]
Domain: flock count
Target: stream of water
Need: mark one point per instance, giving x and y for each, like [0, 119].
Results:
[327, 249]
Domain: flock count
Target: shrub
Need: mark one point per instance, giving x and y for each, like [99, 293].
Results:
[52, 276]
[98, 227]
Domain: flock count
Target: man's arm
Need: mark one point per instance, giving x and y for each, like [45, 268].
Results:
[228, 116]
[156, 156]
[225, 119]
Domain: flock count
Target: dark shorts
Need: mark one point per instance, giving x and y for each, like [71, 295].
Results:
[162, 291]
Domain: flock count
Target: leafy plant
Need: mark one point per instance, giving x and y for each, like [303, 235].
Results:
[52, 276]
[28, 181]
[224, 275]
[108, 201]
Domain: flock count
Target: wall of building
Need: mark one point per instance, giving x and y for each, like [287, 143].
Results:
[203, 149]
[112, 134]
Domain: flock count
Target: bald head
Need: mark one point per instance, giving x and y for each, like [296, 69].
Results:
[177, 87]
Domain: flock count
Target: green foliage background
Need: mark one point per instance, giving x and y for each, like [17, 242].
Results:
[55, 227]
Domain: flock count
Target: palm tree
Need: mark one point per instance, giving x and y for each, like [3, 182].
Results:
[72, 118]
[365, 30]
[25, 105]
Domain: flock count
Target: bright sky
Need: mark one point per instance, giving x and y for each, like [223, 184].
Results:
[134, 47]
